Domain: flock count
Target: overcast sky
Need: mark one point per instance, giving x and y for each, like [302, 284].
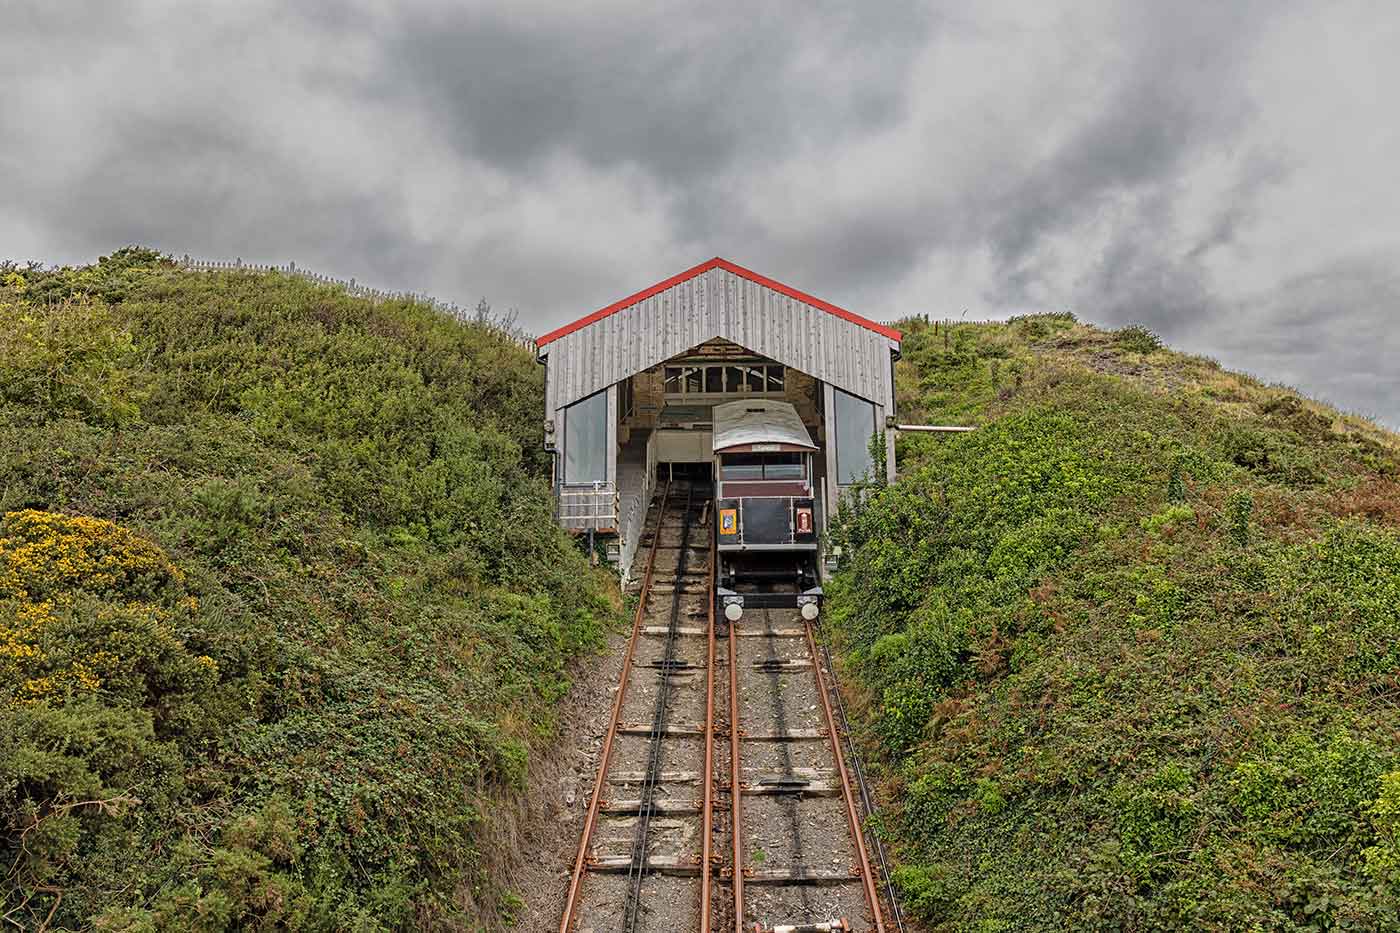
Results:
[1225, 172]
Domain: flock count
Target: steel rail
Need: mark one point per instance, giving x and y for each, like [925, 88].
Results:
[576, 880]
[867, 802]
[735, 790]
[707, 805]
[636, 870]
[852, 816]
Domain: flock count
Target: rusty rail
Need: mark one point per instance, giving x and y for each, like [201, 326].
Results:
[736, 828]
[707, 805]
[576, 881]
[852, 815]
[637, 869]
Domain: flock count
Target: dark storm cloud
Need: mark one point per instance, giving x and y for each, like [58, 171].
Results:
[683, 91]
[1172, 95]
[1215, 171]
[1334, 332]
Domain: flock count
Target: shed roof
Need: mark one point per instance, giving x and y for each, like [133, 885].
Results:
[759, 421]
[717, 263]
[713, 301]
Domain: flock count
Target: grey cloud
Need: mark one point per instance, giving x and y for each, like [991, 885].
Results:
[680, 90]
[1177, 97]
[554, 157]
[1333, 332]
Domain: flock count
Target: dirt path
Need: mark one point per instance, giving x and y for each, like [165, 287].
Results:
[565, 781]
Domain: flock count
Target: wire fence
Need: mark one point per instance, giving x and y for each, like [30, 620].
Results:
[506, 325]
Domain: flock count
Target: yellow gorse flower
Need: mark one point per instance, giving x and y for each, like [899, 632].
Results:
[47, 561]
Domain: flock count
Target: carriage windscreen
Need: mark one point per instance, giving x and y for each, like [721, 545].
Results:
[745, 467]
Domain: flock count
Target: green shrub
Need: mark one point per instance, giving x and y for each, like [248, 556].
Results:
[1307, 795]
[1383, 858]
[1120, 667]
[281, 593]
[1137, 339]
[1238, 509]
[1155, 818]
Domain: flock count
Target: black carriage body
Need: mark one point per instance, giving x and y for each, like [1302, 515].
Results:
[766, 523]
[763, 463]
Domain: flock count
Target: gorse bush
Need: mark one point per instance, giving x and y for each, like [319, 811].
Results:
[283, 611]
[1138, 339]
[91, 608]
[1127, 653]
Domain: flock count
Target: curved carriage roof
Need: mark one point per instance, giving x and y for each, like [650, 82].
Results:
[760, 421]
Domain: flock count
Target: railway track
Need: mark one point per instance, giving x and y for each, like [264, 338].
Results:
[722, 799]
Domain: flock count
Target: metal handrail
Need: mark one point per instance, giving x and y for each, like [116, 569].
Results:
[598, 499]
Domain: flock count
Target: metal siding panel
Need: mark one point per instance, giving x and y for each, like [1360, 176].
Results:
[718, 303]
[704, 299]
[715, 299]
[745, 323]
[763, 334]
[566, 369]
[808, 338]
[593, 362]
[610, 352]
[581, 355]
[602, 367]
[848, 360]
[689, 307]
[799, 335]
[739, 322]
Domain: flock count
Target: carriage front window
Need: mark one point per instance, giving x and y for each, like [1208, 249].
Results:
[783, 466]
[748, 467]
[742, 467]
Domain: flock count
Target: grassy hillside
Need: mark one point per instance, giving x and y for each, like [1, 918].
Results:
[282, 609]
[1128, 656]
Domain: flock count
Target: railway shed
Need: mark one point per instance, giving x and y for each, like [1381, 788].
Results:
[631, 388]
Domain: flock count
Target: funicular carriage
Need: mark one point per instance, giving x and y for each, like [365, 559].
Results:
[765, 508]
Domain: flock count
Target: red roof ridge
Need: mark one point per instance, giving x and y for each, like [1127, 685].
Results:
[728, 266]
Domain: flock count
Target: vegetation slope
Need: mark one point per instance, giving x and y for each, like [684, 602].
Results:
[1127, 656]
[282, 608]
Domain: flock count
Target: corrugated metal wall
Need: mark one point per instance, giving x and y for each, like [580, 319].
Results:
[718, 303]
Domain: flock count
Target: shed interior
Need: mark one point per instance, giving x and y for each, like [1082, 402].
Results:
[663, 420]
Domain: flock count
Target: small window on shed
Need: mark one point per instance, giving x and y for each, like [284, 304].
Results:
[586, 440]
[855, 426]
[714, 380]
[754, 377]
[775, 379]
[673, 379]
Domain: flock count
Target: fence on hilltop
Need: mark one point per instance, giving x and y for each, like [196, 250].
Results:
[506, 326]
